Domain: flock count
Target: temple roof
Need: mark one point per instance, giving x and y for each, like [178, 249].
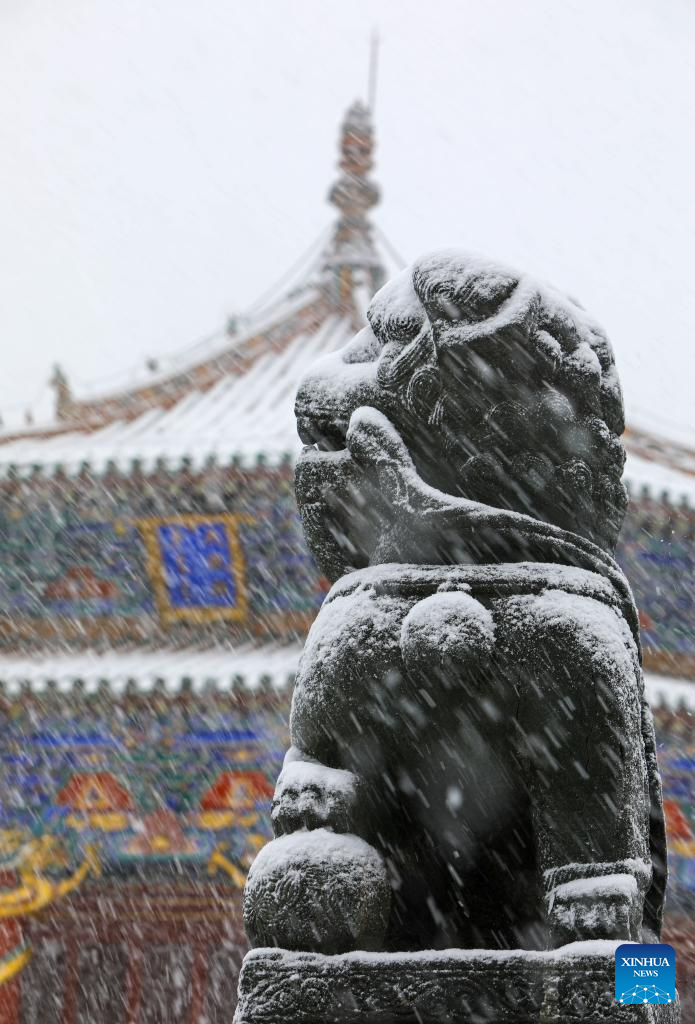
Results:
[241, 416]
[232, 397]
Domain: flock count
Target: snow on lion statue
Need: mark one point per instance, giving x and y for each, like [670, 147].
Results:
[472, 761]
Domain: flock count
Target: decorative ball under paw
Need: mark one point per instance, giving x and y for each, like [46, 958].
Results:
[317, 891]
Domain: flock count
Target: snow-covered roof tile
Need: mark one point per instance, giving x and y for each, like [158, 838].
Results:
[244, 667]
[241, 416]
[658, 479]
[667, 692]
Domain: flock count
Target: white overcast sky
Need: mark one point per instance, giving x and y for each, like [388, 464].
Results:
[163, 161]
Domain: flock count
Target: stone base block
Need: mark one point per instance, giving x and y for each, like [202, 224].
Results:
[572, 984]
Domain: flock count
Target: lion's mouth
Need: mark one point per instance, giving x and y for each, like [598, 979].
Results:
[323, 434]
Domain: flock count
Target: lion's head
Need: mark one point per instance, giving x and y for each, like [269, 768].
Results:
[503, 391]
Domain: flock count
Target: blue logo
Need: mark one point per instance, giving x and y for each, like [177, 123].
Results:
[645, 974]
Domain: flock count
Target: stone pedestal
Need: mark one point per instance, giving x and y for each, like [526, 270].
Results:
[573, 984]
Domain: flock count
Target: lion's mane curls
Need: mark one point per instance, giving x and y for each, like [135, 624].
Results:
[505, 391]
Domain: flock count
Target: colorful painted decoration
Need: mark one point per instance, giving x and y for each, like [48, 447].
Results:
[134, 560]
[196, 567]
[140, 779]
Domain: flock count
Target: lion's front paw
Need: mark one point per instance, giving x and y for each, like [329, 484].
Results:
[309, 795]
[606, 907]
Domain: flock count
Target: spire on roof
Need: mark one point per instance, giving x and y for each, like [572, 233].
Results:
[352, 258]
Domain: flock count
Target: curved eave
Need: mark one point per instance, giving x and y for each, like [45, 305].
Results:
[244, 420]
[267, 334]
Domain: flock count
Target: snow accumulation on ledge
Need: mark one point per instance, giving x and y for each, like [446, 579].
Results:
[247, 668]
[594, 947]
[658, 480]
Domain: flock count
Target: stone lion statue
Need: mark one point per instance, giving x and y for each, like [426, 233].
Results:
[473, 761]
